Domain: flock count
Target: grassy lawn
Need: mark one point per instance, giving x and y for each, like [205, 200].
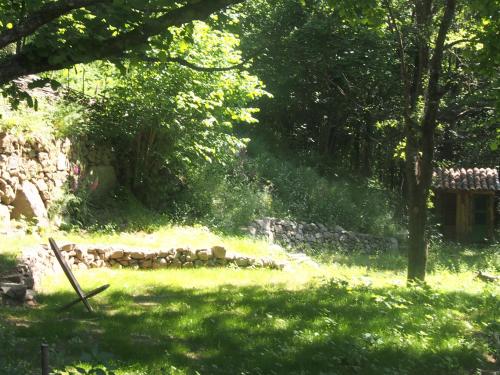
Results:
[352, 315]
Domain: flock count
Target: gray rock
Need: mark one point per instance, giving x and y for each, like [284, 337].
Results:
[13, 163]
[12, 278]
[62, 162]
[68, 247]
[14, 291]
[117, 254]
[202, 254]
[7, 142]
[163, 262]
[42, 185]
[176, 263]
[242, 262]
[30, 295]
[137, 255]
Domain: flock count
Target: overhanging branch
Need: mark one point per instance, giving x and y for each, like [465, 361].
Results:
[199, 68]
[33, 60]
[43, 16]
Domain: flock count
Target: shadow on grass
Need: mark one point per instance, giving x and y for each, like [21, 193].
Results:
[451, 257]
[328, 329]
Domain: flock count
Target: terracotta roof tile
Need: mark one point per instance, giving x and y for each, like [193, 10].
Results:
[466, 179]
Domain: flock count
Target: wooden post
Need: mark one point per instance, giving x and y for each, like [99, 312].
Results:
[45, 359]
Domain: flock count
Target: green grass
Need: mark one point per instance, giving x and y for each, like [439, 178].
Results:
[352, 315]
[167, 236]
[257, 321]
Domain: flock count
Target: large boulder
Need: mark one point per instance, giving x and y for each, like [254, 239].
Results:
[28, 203]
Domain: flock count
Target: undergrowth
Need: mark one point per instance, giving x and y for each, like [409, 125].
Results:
[229, 197]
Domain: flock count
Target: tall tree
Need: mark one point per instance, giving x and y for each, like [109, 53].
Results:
[340, 91]
[420, 46]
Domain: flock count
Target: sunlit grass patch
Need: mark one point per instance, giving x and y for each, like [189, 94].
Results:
[225, 321]
[352, 314]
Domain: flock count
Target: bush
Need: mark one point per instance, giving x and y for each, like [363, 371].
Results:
[165, 121]
[223, 197]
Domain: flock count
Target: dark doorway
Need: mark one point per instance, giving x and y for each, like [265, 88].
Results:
[480, 225]
[449, 215]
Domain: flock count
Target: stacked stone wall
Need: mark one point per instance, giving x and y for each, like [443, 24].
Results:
[298, 233]
[21, 284]
[34, 170]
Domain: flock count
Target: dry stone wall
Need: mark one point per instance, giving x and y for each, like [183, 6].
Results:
[296, 233]
[32, 173]
[21, 284]
[96, 256]
[34, 170]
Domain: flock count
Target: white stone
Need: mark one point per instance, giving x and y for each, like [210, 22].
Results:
[42, 185]
[62, 162]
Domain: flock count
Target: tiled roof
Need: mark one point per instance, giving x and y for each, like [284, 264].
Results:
[466, 179]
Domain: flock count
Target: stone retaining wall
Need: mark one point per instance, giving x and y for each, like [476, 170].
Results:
[32, 173]
[292, 233]
[34, 170]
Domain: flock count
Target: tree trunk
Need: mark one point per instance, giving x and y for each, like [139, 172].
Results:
[417, 215]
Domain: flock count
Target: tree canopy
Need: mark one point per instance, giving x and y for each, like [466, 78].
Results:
[51, 35]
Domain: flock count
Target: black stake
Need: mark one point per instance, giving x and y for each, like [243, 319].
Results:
[45, 359]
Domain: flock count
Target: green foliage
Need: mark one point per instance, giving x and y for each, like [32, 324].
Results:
[75, 208]
[80, 370]
[26, 121]
[303, 194]
[40, 35]
[264, 183]
[341, 80]
[164, 120]
[223, 197]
